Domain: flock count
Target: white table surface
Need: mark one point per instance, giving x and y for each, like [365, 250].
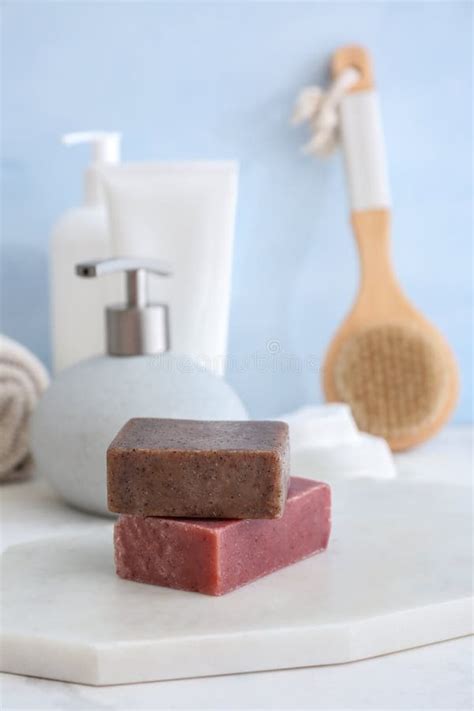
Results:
[438, 676]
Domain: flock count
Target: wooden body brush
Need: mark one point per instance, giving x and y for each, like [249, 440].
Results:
[386, 360]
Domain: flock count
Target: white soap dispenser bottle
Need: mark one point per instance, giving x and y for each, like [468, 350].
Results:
[85, 406]
[76, 308]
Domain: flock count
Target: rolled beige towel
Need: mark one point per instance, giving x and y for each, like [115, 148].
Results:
[22, 380]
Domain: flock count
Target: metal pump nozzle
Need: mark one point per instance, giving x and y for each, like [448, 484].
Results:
[136, 327]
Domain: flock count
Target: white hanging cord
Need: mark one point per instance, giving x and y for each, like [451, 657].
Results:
[320, 109]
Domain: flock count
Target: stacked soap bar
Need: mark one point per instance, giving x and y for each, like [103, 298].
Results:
[205, 506]
[196, 469]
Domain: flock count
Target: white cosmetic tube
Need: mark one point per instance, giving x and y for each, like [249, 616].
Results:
[183, 213]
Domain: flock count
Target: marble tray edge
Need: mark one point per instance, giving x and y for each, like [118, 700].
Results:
[103, 664]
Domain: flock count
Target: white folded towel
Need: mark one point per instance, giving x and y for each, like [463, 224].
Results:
[22, 380]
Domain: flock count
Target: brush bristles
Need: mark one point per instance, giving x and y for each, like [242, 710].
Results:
[395, 379]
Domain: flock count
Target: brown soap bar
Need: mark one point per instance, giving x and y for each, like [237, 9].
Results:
[196, 469]
[215, 557]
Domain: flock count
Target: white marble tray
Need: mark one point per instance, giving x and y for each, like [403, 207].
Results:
[397, 575]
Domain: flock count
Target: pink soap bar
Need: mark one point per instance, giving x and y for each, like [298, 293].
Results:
[215, 557]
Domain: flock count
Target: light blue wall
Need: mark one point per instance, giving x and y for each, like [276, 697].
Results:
[218, 80]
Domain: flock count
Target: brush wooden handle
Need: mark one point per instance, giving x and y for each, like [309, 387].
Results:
[362, 134]
[380, 295]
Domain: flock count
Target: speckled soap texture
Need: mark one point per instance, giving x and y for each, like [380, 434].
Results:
[216, 557]
[197, 469]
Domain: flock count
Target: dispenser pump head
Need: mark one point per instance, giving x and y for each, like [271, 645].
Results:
[136, 327]
[105, 151]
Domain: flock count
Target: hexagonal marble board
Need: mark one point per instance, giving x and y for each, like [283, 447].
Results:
[397, 574]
